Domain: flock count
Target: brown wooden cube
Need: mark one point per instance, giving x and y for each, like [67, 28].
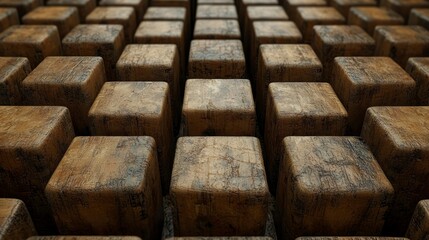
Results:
[106, 41]
[208, 173]
[22, 6]
[369, 17]
[299, 109]
[418, 68]
[216, 12]
[12, 73]
[34, 42]
[217, 29]
[216, 59]
[73, 82]
[419, 224]
[108, 186]
[83, 238]
[330, 186]
[32, 143]
[137, 109]
[343, 6]
[419, 16]
[404, 7]
[401, 42]
[243, 4]
[139, 6]
[83, 6]
[335, 40]
[8, 17]
[124, 16]
[190, 8]
[65, 18]
[214, 2]
[15, 221]
[292, 5]
[399, 139]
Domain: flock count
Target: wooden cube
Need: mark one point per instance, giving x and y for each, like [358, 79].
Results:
[335, 40]
[292, 5]
[419, 224]
[215, 2]
[190, 8]
[419, 17]
[106, 41]
[32, 143]
[340, 190]
[216, 12]
[208, 173]
[139, 6]
[343, 6]
[34, 42]
[399, 139]
[73, 82]
[363, 82]
[308, 17]
[369, 17]
[12, 73]
[216, 59]
[22, 6]
[137, 109]
[401, 42]
[108, 186]
[15, 221]
[83, 6]
[404, 7]
[8, 17]
[299, 109]
[124, 16]
[217, 29]
[82, 238]
[218, 107]
[418, 68]
[243, 4]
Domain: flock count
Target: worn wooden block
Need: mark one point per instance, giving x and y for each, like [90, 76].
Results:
[137, 109]
[216, 12]
[340, 190]
[106, 41]
[34, 42]
[65, 18]
[108, 186]
[82, 238]
[139, 6]
[418, 68]
[419, 17]
[401, 42]
[15, 221]
[299, 109]
[32, 143]
[369, 17]
[399, 139]
[208, 172]
[243, 4]
[124, 16]
[216, 59]
[343, 6]
[73, 82]
[363, 82]
[335, 40]
[404, 7]
[214, 2]
[12, 73]
[190, 8]
[83, 6]
[292, 5]
[219, 238]
[22, 6]
[217, 29]
[8, 17]
[419, 224]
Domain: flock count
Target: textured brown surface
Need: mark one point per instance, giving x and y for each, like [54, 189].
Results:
[108, 185]
[22, 6]
[137, 109]
[419, 224]
[216, 29]
[32, 143]
[215, 2]
[418, 68]
[401, 42]
[218, 107]
[82, 238]
[419, 17]
[15, 221]
[216, 12]
[166, 13]
[363, 82]
[292, 5]
[299, 109]
[404, 7]
[12, 73]
[369, 17]
[351, 238]
[34, 42]
[343, 6]
[8, 17]
[399, 139]
[330, 186]
[219, 187]
[219, 238]
[83, 6]
[139, 6]
[73, 82]
[190, 11]
[243, 4]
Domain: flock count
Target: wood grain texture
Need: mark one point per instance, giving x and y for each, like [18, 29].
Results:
[401, 42]
[83, 6]
[22, 6]
[215, 2]
[399, 139]
[219, 187]
[82, 238]
[108, 186]
[73, 82]
[369, 17]
[12, 73]
[404, 7]
[419, 17]
[343, 6]
[330, 186]
[243, 4]
[216, 12]
[363, 82]
[419, 224]
[351, 238]
[216, 29]
[219, 238]
[15, 221]
[139, 6]
[32, 143]
[190, 8]
[8, 17]
[418, 68]
[218, 107]
[291, 6]
[137, 109]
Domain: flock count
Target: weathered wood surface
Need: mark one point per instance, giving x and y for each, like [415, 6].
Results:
[8, 17]
[108, 186]
[243, 4]
[351, 238]
[404, 7]
[83, 238]
[12, 73]
[84, 6]
[419, 17]
[219, 187]
[215, 2]
[419, 224]
[139, 6]
[219, 238]
[418, 68]
[22, 6]
[216, 12]
[343, 6]
[15, 221]
[369, 17]
[216, 29]
[292, 5]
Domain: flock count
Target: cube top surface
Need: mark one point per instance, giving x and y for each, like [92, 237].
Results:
[276, 29]
[345, 165]
[70, 2]
[219, 238]
[351, 238]
[306, 2]
[110, 13]
[93, 33]
[217, 11]
[146, 55]
[131, 2]
[404, 34]
[320, 13]
[420, 63]
[160, 29]
[28, 127]
[218, 94]
[215, 2]
[216, 50]
[167, 13]
[82, 238]
[405, 127]
[126, 99]
[421, 12]
[414, 3]
[292, 55]
[219, 165]
[266, 12]
[376, 14]
[342, 34]
[32, 34]
[228, 28]
[355, 2]
[9, 65]
[5, 11]
[8, 206]
[104, 164]
[50, 13]
[260, 2]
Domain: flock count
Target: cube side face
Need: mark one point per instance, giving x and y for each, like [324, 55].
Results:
[12, 72]
[8, 17]
[15, 221]
[419, 17]
[419, 224]
[418, 68]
